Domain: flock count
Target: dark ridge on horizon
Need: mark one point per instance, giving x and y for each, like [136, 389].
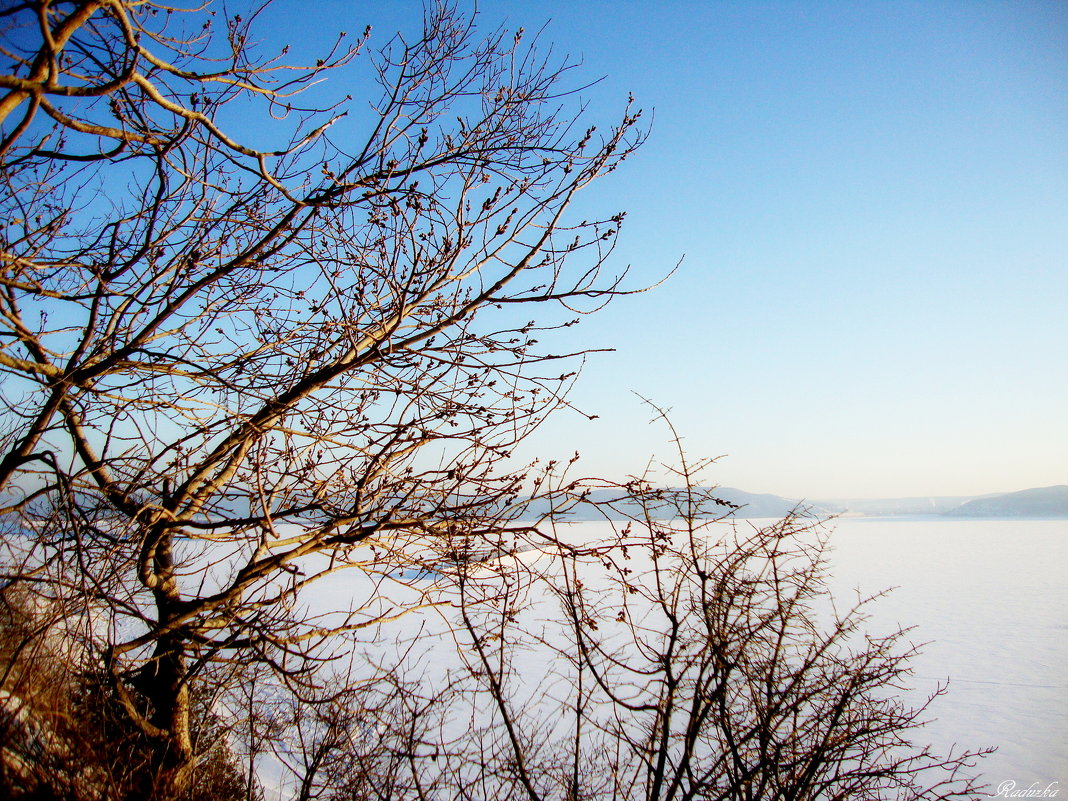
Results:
[1034, 502]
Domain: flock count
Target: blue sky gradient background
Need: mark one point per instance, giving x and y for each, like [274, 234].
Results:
[872, 203]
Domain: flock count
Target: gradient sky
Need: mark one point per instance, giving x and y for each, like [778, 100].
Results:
[872, 203]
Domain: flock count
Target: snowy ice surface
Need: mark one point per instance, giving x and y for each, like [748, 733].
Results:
[990, 597]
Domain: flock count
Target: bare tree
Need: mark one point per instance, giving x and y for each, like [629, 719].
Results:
[234, 368]
[231, 369]
[684, 656]
[696, 657]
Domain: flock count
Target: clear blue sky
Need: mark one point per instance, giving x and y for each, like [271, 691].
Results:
[872, 202]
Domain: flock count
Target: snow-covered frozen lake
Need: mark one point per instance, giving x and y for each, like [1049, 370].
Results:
[988, 597]
[991, 598]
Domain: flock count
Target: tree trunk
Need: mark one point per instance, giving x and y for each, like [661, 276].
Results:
[171, 757]
[165, 685]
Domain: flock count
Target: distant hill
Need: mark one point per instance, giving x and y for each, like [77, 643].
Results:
[749, 505]
[764, 505]
[889, 507]
[1038, 502]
